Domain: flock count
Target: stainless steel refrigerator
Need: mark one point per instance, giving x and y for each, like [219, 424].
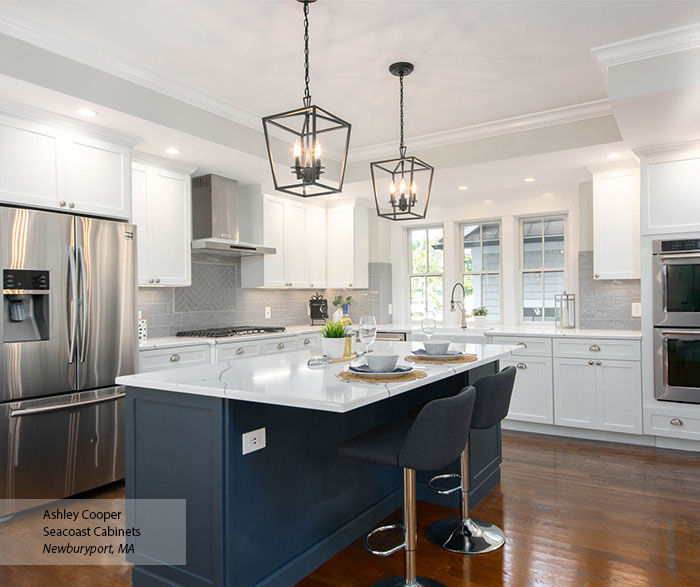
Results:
[68, 330]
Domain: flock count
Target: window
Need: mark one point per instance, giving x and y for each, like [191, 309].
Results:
[481, 268]
[543, 265]
[426, 268]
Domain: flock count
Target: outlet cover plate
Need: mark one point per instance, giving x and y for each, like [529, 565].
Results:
[636, 310]
[268, 312]
[253, 440]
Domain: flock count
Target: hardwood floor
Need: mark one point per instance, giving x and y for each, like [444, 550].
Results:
[575, 513]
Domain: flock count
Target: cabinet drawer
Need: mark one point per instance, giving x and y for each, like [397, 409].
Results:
[186, 356]
[592, 348]
[529, 346]
[677, 426]
[279, 345]
[237, 350]
[306, 341]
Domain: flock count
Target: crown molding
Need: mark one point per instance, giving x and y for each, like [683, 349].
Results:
[617, 165]
[44, 35]
[685, 146]
[653, 45]
[62, 122]
[162, 162]
[566, 114]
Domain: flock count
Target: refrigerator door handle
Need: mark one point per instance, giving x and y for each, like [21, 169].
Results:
[65, 406]
[83, 304]
[72, 304]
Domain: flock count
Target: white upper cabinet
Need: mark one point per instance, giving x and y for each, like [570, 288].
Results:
[97, 177]
[316, 246]
[616, 232]
[297, 231]
[45, 166]
[671, 193]
[348, 247]
[162, 212]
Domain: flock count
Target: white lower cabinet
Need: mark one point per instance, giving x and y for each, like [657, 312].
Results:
[236, 350]
[532, 395]
[181, 356]
[279, 345]
[602, 395]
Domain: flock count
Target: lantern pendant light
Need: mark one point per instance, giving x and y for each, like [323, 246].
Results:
[308, 146]
[402, 185]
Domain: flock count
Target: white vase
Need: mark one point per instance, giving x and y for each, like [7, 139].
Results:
[480, 321]
[333, 347]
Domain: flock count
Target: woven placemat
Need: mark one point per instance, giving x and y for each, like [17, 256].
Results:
[458, 359]
[410, 376]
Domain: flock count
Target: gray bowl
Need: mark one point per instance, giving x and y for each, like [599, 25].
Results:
[436, 347]
[381, 363]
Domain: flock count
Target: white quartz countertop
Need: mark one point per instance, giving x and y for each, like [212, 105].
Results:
[521, 330]
[286, 380]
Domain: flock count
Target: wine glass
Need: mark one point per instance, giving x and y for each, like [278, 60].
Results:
[368, 331]
[428, 324]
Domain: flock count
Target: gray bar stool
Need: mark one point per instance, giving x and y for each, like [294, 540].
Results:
[468, 535]
[435, 439]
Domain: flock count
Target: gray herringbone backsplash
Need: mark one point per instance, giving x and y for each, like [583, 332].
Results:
[605, 303]
[216, 298]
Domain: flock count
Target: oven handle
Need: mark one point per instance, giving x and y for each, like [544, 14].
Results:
[674, 256]
[681, 332]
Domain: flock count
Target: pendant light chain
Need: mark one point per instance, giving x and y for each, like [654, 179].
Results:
[307, 93]
[402, 147]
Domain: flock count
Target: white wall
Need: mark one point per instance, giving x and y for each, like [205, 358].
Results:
[508, 208]
[585, 196]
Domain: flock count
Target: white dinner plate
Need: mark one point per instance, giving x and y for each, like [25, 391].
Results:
[363, 371]
[424, 354]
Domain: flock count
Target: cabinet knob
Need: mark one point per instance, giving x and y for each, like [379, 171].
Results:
[280, 345]
[595, 348]
[62, 203]
[307, 341]
[590, 362]
[522, 344]
[598, 363]
[71, 205]
[521, 366]
[349, 284]
[158, 280]
[240, 350]
[311, 285]
[151, 281]
[597, 276]
[676, 422]
[174, 358]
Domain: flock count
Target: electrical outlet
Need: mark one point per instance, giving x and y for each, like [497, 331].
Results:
[253, 440]
[268, 312]
[636, 310]
[390, 311]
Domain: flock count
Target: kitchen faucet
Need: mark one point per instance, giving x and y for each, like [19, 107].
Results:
[454, 303]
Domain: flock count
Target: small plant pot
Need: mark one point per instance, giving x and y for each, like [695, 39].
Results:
[333, 348]
[479, 321]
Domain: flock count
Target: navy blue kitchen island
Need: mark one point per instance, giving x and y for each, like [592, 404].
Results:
[272, 516]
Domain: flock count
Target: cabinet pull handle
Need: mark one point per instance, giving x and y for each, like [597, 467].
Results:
[676, 422]
[598, 363]
[307, 341]
[151, 281]
[522, 344]
[521, 366]
[71, 205]
[311, 285]
[62, 203]
[174, 358]
[597, 276]
[240, 350]
[349, 284]
[157, 279]
[595, 348]
[590, 362]
[280, 345]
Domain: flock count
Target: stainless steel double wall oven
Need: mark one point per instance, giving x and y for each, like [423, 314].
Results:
[677, 320]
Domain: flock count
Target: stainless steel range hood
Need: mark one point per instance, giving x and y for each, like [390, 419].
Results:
[227, 217]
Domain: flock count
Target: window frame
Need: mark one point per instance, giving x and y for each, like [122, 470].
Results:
[460, 252]
[410, 273]
[564, 216]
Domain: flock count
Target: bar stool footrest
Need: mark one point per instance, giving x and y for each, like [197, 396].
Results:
[391, 550]
[447, 476]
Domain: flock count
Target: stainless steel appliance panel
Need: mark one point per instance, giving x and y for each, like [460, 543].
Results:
[676, 286]
[39, 241]
[59, 446]
[107, 325]
[677, 364]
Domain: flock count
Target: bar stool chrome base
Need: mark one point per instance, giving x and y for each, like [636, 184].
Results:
[401, 582]
[470, 536]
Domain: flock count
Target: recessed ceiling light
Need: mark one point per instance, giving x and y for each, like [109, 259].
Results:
[335, 197]
[463, 188]
[172, 151]
[87, 112]
[529, 179]
[614, 156]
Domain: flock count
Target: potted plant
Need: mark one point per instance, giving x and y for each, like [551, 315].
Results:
[479, 315]
[341, 304]
[333, 339]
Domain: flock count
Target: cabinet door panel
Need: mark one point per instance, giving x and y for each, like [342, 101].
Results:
[619, 387]
[574, 393]
[316, 246]
[671, 202]
[296, 272]
[139, 217]
[532, 399]
[273, 211]
[340, 247]
[170, 221]
[28, 164]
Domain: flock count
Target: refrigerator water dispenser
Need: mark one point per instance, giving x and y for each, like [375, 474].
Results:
[25, 299]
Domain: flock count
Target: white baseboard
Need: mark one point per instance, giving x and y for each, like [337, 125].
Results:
[636, 439]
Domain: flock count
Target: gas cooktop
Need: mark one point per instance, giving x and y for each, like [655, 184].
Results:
[231, 331]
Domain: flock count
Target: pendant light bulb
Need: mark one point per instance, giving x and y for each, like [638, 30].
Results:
[413, 188]
[317, 152]
[392, 188]
[402, 187]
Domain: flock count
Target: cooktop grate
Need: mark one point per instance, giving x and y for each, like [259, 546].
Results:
[230, 331]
